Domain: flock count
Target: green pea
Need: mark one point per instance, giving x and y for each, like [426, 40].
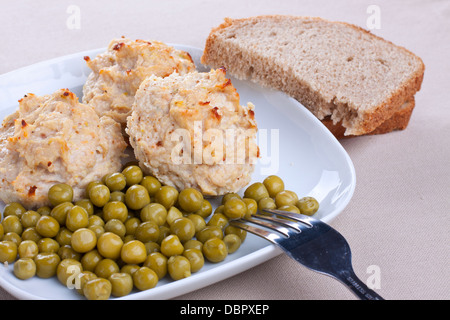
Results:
[158, 263]
[115, 210]
[172, 214]
[122, 284]
[115, 181]
[184, 228]
[25, 268]
[266, 203]
[274, 185]
[232, 242]
[155, 212]
[133, 175]
[256, 191]
[131, 226]
[46, 264]
[109, 245]
[252, 207]
[152, 246]
[44, 211]
[60, 212]
[167, 196]
[229, 196]
[242, 234]
[190, 200]
[105, 268]
[235, 208]
[87, 205]
[13, 208]
[83, 278]
[47, 226]
[151, 184]
[198, 221]
[292, 209]
[64, 236]
[164, 231]
[137, 197]
[219, 209]
[286, 198]
[8, 251]
[99, 195]
[28, 249]
[97, 289]
[196, 259]
[209, 232]
[147, 231]
[171, 245]
[215, 250]
[60, 193]
[205, 210]
[77, 218]
[116, 226]
[130, 268]
[31, 234]
[308, 205]
[90, 260]
[48, 245]
[117, 196]
[218, 219]
[178, 267]
[13, 237]
[29, 219]
[133, 252]
[66, 269]
[67, 252]
[144, 278]
[193, 244]
[91, 185]
[12, 224]
[83, 240]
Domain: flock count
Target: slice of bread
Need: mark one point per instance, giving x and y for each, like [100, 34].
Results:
[340, 72]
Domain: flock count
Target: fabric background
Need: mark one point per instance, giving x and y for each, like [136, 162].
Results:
[399, 216]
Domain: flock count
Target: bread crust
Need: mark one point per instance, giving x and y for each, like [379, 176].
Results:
[368, 120]
[399, 121]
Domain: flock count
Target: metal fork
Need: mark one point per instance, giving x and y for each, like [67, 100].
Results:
[312, 243]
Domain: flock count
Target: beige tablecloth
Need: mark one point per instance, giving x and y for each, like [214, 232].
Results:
[399, 216]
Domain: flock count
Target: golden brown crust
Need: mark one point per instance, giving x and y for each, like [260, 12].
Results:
[399, 121]
[372, 119]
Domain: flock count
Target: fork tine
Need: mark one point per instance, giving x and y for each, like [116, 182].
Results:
[291, 215]
[273, 226]
[284, 222]
[271, 236]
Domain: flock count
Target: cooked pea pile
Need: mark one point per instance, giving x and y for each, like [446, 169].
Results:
[130, 231]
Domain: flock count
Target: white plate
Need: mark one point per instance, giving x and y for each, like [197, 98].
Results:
[311, 162]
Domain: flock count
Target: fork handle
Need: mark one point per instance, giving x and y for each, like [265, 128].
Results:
[358, 287]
